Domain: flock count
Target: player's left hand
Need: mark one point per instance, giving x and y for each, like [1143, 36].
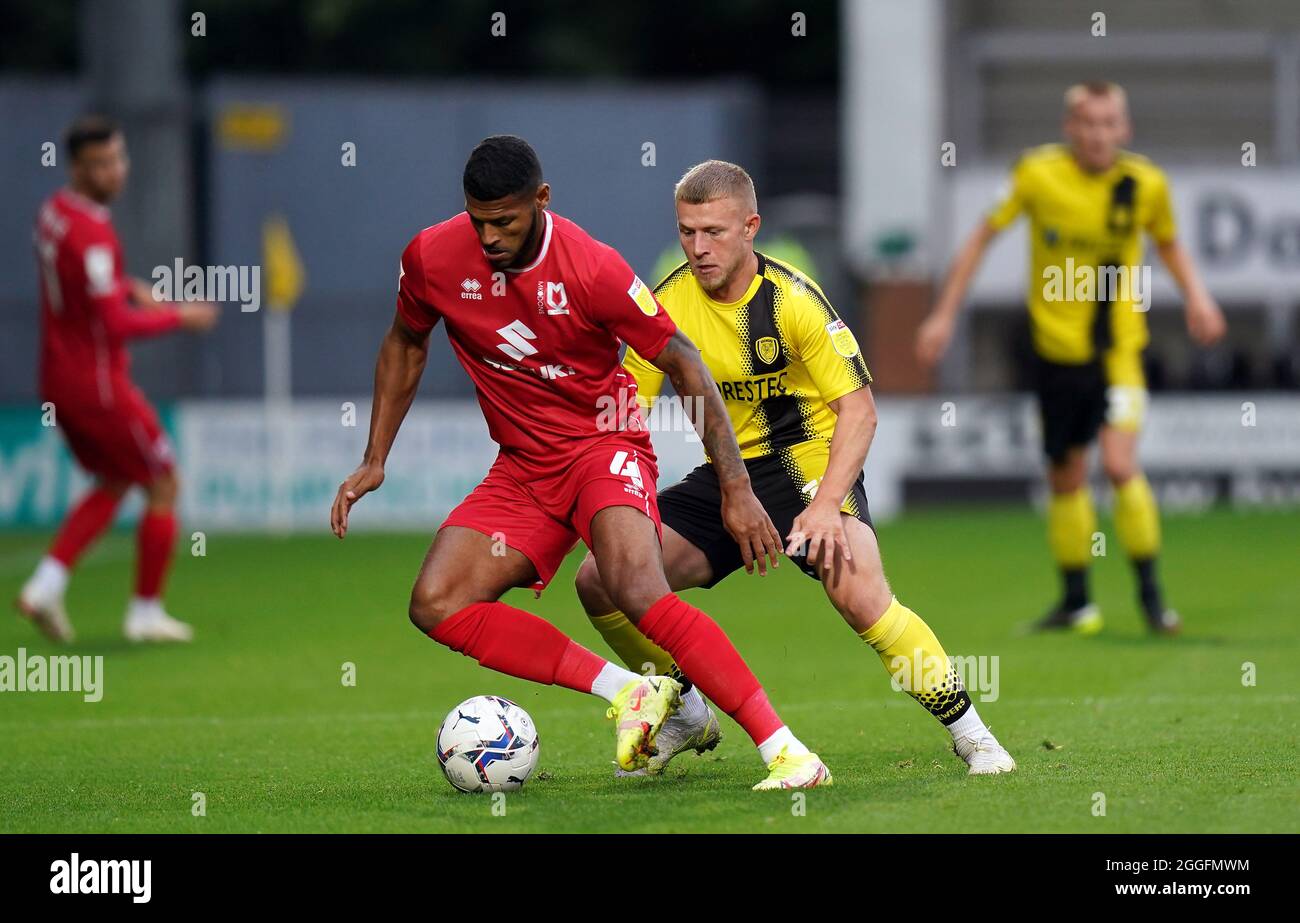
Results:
[820, 530]
[1205, 321]
[751, 527]
[366, 478]
[142, 294]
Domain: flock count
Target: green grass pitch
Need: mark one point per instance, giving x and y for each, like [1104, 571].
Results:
[254, 714]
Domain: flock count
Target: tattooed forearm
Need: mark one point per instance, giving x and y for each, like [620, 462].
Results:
[680, 361]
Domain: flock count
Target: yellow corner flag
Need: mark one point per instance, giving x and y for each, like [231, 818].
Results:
[284, 272]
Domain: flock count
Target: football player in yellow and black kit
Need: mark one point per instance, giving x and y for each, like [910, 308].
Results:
[796, 389]
[1089, 203]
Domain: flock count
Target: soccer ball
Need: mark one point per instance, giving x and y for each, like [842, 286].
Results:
[487, 744]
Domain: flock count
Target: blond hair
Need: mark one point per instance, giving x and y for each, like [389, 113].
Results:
[716, 179]
[1094, 89]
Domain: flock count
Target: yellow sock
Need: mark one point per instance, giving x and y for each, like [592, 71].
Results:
[1071, 521]
[635, 649]
[1136, 518]
[916, 660]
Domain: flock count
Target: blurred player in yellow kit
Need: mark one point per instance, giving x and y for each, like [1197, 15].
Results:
[796, 391]
[1088, 202]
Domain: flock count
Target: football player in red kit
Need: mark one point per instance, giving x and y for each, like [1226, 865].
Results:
[112, 430]
[535, 310]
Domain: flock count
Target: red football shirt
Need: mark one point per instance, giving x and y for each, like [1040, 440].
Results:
[540, 342]
[85, 310]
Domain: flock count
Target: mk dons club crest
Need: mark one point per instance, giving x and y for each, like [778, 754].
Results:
[767, 348]
[842, 339]
[557, 300]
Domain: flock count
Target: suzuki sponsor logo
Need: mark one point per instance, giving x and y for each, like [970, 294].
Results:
[517, 346]
[517, 335]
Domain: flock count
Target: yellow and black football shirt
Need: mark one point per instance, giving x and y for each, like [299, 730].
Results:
[1091, 220]
[779, 355]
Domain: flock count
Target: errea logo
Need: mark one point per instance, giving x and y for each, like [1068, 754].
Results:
[470, 289]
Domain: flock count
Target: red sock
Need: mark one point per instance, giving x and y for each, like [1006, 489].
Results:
[155, 539]
[517, 643]
[90, 517]
[704, 653]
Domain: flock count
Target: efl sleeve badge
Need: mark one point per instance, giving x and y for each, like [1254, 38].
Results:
[643, 298]
[842, 339]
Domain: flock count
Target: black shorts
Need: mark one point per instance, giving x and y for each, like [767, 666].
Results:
[693, 506]
[1071, 404]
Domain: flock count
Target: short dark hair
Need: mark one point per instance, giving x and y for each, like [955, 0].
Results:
[89, 129]
[500, 167]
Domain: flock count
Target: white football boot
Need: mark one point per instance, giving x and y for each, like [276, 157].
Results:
[43, 606]
[148, 621]
[1166, 622]
[680, 734]
[983, 754]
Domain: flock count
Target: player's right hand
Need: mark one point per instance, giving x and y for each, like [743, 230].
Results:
[751, 527]
[933, 338]
[366, 478]
[1205, 321]
[198, 316]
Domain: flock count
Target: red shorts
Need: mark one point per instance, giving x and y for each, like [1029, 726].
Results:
[122, 442]
[543, 517]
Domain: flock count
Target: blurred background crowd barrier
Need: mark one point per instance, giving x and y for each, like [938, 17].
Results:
[241, 136]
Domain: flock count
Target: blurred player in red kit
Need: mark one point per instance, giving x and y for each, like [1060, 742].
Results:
[535, 310]
[86, 319]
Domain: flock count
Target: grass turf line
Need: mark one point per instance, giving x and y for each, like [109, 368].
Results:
[254, 715]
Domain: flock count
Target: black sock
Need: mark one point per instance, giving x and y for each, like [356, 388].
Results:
[1076, 588]
[1149, 587]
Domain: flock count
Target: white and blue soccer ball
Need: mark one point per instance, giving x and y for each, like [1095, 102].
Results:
[487, 744]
